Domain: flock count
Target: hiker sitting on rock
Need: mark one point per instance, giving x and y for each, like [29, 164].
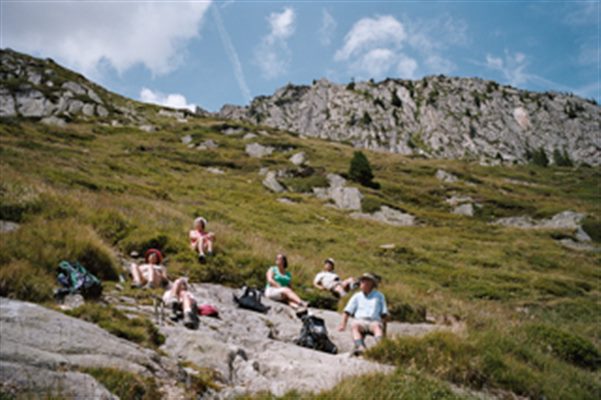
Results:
[278, 284]
[180, 301]
[201, 241]
[329, 280]
[368, 307]
[150, 274]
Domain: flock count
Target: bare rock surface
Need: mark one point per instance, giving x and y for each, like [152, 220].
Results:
[466, 209]
[345, 198]
[8, 226]
[254, 352]
[563, 220]
[388, 216]
[258, 150]
[434, 117]
[445, 176]
[44, 349]
[271, 183]
[298, 159]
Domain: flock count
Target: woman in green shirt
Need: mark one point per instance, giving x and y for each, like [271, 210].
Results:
[278, 284]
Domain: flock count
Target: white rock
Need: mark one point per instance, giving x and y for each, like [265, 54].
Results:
[466, 209]
[187, 139]
[271, 183]
[215, 171]
[7, 104]
[445, 176]
[92, 95]
[88, 109]
[8, 226]
[74, 87]
[249, 136]
[53, 121]
[257, 150]
[346, 198]
[298, 159]
[102, 112]
[388, 216]
[147, 128]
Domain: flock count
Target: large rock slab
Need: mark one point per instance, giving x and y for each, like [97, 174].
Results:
[388, 216]
[563, 220]
[254, 352]
[258, 150]
[271, 183]
[42, 349]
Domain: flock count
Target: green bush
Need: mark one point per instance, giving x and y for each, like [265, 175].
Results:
[360, 169]
[566, 346]
[593, 228]
[370, 204]
[124, 384]
[138, 330]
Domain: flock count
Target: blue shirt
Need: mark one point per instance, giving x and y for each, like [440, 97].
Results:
[370, 307]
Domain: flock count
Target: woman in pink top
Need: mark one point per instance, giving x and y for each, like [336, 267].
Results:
[201, 241]
[151, 273]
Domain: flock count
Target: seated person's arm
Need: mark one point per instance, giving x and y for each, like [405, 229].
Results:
[317, 283]
[270, 279]
[344, 321]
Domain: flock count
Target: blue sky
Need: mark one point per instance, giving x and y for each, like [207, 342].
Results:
[184, 53]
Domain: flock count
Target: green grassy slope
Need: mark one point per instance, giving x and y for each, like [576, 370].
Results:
[531, 306]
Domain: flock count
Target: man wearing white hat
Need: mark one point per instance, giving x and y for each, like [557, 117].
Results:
[329, 280]
[369, 310]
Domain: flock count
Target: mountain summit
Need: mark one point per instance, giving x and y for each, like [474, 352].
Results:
[435, 117]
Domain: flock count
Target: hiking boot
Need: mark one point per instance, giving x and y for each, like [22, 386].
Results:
[202, 259]
[190, 320]
[302, 312]
[357, 351]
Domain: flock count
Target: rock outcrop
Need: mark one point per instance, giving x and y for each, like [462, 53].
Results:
[44, 351]
[388, 216]
[436, 117]
[345, 198]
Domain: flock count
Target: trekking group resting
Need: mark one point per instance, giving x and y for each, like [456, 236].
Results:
[367, 306]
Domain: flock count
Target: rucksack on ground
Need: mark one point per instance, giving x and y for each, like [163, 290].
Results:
[314, 335]
[251, 300]
[74, 278]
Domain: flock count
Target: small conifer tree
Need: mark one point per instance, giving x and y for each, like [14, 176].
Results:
[360, 170]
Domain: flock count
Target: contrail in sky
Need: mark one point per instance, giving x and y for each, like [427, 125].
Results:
[232, 54]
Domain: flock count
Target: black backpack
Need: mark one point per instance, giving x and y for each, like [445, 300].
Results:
[314, 335]
[74, 278]
[251, 300]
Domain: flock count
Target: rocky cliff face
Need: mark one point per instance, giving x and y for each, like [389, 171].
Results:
[436, 117]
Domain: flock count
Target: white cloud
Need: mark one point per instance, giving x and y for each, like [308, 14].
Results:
[174, 100]
[369, 32]
[408, 41]
[232, 54]
[272, 55]
[406, 67]
[328, 27]
[85, 35]
[375, 63]
[511, 66]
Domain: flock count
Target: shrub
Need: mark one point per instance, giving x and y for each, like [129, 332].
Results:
[566, 346]
[138, 330]
[366, 118]
[370, 204]
[360, 169]
[395, 101]
[593, 228]
[562, 159]
[125, 385]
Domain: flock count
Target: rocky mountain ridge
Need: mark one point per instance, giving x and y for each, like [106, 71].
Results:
[435, 117]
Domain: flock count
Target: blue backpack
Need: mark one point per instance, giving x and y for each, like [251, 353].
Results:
[74, 278]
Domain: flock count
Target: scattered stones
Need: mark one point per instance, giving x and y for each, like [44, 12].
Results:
[88, 109]
[271, 183]
[72, 301]
[102, 112]
[186, 139]
[346, 198]
[298, 159]
[263, 171]
[388, 216]
[207, 145]
[147, 128]
[466, 209]
[285, 200]
[75, 106]
[563, 220]
[92, 95]
[446, 177]
[457, 200]
[7, 104]
[8, 226]
[388, 246]
[215, 171]
[232, 131]
[53, 121]
[257, 150]
[74, 88]
[249, 136]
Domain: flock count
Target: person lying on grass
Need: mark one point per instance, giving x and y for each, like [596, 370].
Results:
[329, 280]
[150, 274]
[201, 241]
[368, 308]
[179, 300]
[279, 285]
